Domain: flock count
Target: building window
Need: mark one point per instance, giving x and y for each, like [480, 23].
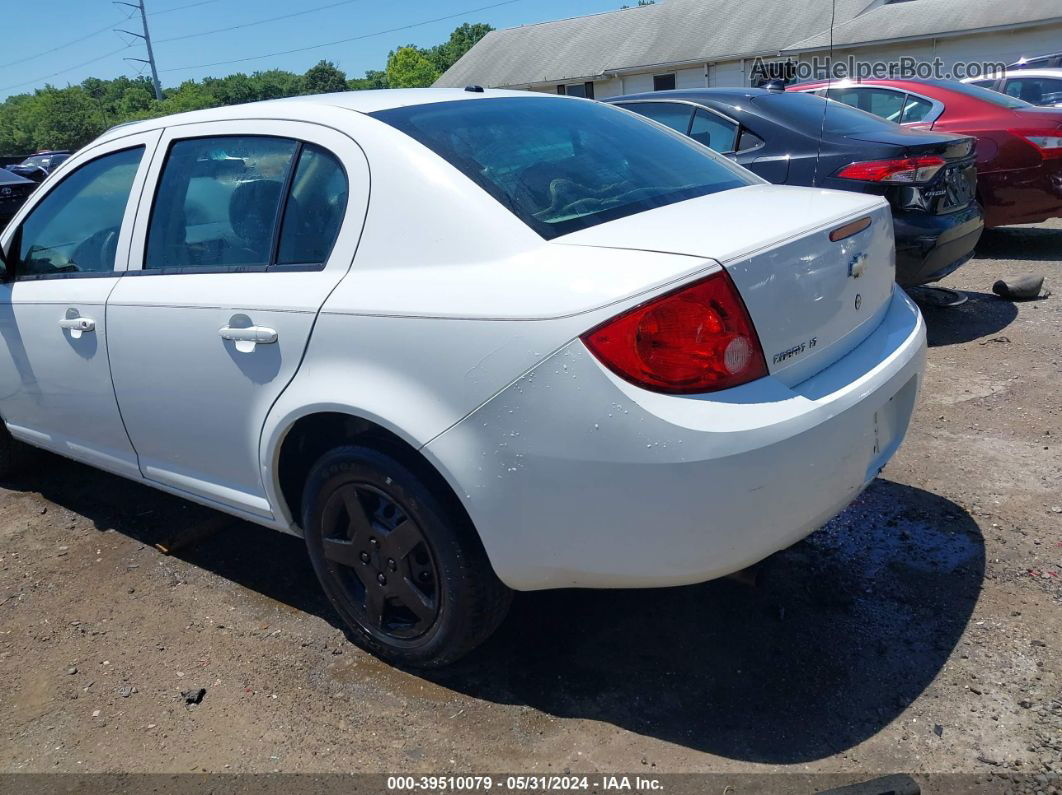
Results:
[664, 82]
[578, 89]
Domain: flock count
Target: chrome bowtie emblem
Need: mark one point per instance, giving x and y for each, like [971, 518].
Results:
[857, 265]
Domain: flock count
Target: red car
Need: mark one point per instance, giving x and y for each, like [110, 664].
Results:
[1019, 145]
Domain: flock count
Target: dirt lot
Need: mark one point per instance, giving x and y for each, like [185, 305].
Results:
[919, 632]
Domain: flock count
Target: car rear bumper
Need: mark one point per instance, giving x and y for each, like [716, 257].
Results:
[1022, 195]
[929, 247]
[574, 477]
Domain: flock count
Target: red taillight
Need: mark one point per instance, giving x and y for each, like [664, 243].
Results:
[1047, 142]
[906, 170]
[696, 339]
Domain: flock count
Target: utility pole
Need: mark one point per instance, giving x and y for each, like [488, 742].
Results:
[146, 36]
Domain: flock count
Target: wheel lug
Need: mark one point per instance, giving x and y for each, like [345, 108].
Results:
[380, 578]
[364, 557]
[391, 564]
[374, 542]
[425, 576]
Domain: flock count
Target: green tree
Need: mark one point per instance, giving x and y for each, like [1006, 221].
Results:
[71, 117]
[463, 39]
[64, 118]
[324, 78]
[277, 83]
[408, 67]
[374, 78]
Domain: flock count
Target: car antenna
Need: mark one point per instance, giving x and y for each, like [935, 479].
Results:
[826, 105]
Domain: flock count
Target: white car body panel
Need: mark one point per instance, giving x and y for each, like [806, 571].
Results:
[627, 488]
[442, 318]
[780, 258]
[212, 395]
[57, 391]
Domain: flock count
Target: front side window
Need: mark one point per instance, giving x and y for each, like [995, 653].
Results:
[714, 131]
[559, 165]
[671, 114]
[75, 228]
[1037, 90]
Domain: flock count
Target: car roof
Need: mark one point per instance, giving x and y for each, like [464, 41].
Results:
[692, 94]
[359, 101]
[1054, 71]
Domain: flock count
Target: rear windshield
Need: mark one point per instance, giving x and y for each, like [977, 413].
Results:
[809, 112]
[984, 94]
[561, 165]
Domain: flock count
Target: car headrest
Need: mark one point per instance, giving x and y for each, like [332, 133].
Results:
[252, 209]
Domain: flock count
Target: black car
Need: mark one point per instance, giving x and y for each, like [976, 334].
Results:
[37, 167]
[929, 179]
[13, 191]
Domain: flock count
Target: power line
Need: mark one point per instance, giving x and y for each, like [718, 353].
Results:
[257, 22]
[342, 41]
[68, 69]
[63, 46]
[181, 8]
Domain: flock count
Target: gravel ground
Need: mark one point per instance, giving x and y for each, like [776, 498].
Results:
[917, 632]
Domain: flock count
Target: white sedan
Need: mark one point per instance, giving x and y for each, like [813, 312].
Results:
[462, 342]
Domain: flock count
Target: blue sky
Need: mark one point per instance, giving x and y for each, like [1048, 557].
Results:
[30, 32]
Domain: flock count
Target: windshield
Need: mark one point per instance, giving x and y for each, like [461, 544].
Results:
[984, 94]
[36, 160]
[811, 112]
[560, 165]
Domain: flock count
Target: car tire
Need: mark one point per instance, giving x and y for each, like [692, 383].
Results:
[13, 453]
[398, 561]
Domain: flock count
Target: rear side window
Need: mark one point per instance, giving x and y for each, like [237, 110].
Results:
[562, 165]
[670, 114]
[238, 202]
[915, 109]
[74, 229]
[879, 101]
[315, 210]
[714, 131]
[808, 113]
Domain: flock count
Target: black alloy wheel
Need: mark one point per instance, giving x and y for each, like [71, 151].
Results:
[398, 558]
[378, 552]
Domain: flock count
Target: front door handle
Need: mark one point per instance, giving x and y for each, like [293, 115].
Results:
[82, 324]
[259, 335]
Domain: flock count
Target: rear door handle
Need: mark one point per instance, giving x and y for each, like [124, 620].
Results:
[256, 334]
[83, 324]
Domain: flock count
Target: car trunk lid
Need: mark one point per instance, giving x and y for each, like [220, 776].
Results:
[951, 188]
[812, 299]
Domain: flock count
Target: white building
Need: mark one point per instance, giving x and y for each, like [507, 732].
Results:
[694, 43]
